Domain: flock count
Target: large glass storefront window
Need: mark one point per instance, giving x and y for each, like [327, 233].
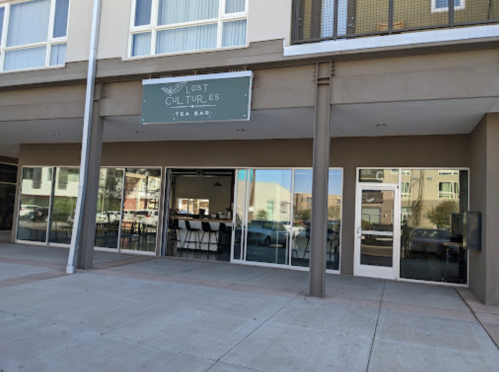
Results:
[269, 216]
[273, 216]
[139, 226]
[36, 189]
[107, 220]
[64, 205]
[302, 213]
[432, 207]
[8, 181]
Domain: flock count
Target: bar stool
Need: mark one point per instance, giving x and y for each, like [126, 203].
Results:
[206, 227]
[191, 230]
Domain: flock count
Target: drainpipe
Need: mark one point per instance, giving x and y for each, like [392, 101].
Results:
[87, 128]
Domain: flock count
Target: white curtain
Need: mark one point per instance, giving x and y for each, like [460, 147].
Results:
[58, 54]
[25, 58]
[235, 6]
[61, 18]
[29, 22]
[178, 11]
[141, 45]
[327, 22]
[143, 12]
[186, 39]
[234, 33]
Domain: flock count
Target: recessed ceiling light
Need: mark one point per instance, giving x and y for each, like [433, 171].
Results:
[240, 130]
[381, 125]
[57, 135]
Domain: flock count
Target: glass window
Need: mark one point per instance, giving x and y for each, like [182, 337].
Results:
[234, 33]
[29, 42]
[187, 39]
[235, 6]
[143, 12]
[64, 205]
[268, 228]
[7, 202]
[61, 18]
[379, 175]
[2, 14]
[141, 44]
[140, 209]
[178, 26]
[443, 5]
[431, 231]
[28, 23]
[25, 58]
[302, 213]
[34, 205]
[174, 11]
[109, 208]
[58, 54]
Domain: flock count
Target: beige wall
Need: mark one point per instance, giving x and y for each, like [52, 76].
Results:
[269, 20]
[79, 28]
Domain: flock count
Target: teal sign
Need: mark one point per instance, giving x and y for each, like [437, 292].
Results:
[192, 99]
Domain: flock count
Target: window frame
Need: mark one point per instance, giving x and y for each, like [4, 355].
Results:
[154, 28]
[435, 9]
[48, 43]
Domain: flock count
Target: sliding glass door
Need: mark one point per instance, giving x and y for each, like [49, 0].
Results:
[272, 219]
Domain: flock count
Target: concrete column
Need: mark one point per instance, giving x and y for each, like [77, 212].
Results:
[318, 232]
[484, 265]
[87, 237]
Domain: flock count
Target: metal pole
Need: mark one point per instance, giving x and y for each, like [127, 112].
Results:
[87, 128]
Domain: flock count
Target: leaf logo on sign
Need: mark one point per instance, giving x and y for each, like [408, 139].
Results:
[174, 89]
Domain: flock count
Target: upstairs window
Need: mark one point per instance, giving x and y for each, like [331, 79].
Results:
[177, 26]
[443, 5]
[33, 34]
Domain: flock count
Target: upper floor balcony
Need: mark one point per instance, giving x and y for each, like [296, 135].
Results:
[325, 20]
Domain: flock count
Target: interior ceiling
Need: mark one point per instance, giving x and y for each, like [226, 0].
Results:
[356, 120]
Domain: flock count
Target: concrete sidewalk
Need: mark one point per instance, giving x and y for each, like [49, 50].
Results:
[179, 315]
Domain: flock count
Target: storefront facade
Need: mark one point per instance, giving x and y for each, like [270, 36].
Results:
[352, 159]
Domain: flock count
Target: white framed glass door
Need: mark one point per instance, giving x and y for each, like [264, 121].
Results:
[377, 231]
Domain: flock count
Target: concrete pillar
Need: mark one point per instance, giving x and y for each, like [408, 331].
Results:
[318, 232]
[484, 198]
[87, 237]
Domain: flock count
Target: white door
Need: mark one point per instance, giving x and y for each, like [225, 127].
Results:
[377, 232]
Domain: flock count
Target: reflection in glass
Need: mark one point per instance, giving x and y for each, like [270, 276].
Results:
[36, 187]
[64, 205]
[377, 228]
[432, 230]
[379, 175]
[141, 209]
[269, 216]
[302, 213]
[108, 208]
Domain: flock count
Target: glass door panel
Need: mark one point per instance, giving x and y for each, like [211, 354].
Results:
[376, 221]
[139, 225]
[107, 220]
[269, 212]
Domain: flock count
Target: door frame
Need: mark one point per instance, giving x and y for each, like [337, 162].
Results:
[377, 271]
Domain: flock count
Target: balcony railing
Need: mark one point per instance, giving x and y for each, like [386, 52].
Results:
[321, 20]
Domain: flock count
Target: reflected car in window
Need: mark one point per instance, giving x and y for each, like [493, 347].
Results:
[424, 242]
[267, 233]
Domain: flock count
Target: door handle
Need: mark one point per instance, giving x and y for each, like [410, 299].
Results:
[359, 232]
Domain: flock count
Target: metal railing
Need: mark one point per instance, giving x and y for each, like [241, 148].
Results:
[321, 20]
